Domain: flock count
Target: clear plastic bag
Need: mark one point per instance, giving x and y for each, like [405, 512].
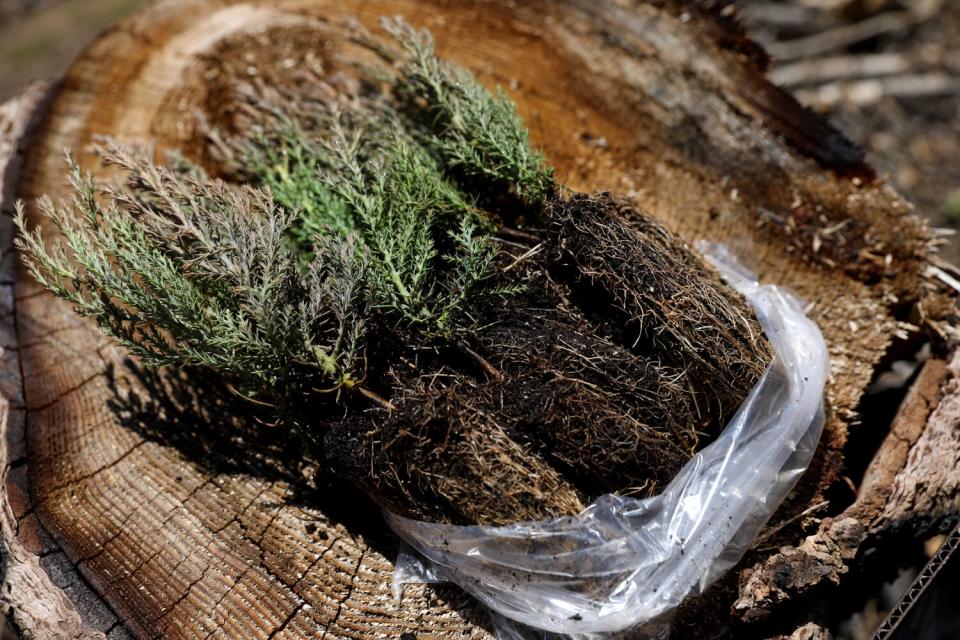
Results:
[624, 562]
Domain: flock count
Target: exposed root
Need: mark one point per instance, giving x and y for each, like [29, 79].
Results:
[666, 299]
[445, 456]
[563, 413]
[375, 398]
[608, 418]
[482, 362]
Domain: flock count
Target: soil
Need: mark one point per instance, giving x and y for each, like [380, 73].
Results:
[661, 293]
[555, 396]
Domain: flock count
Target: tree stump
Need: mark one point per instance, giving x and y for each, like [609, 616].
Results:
[170, 524]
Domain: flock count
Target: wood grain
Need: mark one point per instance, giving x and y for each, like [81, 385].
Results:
[662, 101]
[41, 594]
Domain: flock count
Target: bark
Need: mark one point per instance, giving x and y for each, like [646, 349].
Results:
[30, 598]
[911, 490]
[665, 102]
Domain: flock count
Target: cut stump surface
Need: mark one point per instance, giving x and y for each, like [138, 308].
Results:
[663, 101]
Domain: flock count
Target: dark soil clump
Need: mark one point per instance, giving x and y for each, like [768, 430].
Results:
[618, 361]
[444, 455]
[663, 295]
[623, 356]
[610, 419]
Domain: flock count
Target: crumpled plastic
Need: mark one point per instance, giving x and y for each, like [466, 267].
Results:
[625, 563]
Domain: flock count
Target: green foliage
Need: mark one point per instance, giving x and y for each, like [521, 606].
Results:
[354, 216]
[351, 167]
[403, 207]
[289, 169]
[477, 134]
[191, 271]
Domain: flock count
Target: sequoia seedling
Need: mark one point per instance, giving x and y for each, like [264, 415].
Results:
[362, 284]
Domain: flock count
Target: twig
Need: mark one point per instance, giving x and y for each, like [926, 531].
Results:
[375, 397]
[529, 253]
[488, 368]
[821, 70]
[841, 37]
[867, 92]
[943, 277]
[946, 266]
[782, 15]
[244, 396]
[517, 234]
[832, 6]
